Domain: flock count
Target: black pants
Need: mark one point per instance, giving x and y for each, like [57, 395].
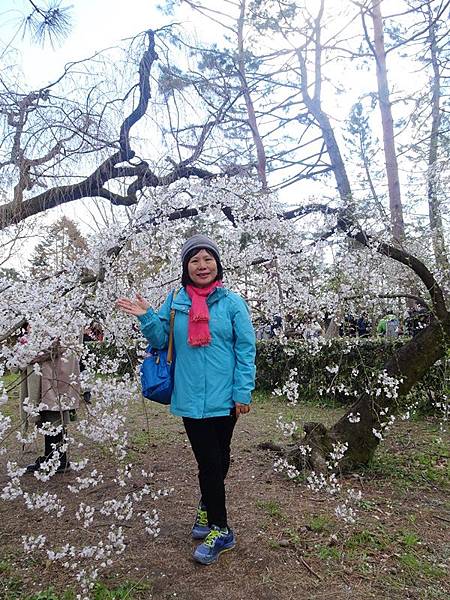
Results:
[210, 440]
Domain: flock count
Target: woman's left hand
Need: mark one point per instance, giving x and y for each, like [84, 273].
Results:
[242, 409]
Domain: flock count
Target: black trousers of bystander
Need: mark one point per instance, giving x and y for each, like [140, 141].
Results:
[210, 441]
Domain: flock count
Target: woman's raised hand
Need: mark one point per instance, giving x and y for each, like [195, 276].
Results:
[136, 307]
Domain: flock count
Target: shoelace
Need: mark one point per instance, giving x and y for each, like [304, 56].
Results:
[202, 517]
[211, 538]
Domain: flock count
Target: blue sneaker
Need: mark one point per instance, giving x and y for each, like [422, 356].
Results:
[200, 528]
[216, 542]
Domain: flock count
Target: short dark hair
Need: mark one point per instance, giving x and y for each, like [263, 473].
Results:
[185, 279]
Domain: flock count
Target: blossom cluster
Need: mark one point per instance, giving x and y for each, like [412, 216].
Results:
[281, 465]
[288, 429]
[290, 388]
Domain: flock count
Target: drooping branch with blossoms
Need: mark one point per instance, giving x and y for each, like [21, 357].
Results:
[268, 258]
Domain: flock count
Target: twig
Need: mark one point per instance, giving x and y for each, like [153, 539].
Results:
[304, 563]
[429, 482]
[441, 518]
[17, 381]
[134, 587]
[344, 579]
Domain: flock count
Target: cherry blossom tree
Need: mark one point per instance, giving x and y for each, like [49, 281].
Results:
[314, 42]
[184, 178]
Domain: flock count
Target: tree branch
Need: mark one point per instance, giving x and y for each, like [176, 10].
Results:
[418, 299]
[145, 66]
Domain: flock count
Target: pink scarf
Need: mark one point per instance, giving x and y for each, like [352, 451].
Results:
[198, 325]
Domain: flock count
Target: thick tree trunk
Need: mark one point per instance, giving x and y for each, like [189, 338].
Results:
[409, 363]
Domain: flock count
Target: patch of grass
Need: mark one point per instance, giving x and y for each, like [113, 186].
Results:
[291, 414]
[100, 592]
[412, 519]
[417, 565]
[368, 540]
[124, 592]
[260, 397]
[386, 465]
[11, 588]
[408, 539]
[293, 536]
[127, 591]
[10, 379]
[434, 465]
[367, 504]
[303, 411]
[272, 508]
[329, 553]
[425, 466]
[324, 401]
[365, 547]
[319, 523]
[141, 440]
[50, 594]
[7, 410]
[433, 571]
[410, 561]
[5, 567]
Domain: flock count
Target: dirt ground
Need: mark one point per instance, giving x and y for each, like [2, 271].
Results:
[290, 544]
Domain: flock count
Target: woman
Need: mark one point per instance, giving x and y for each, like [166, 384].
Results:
[214, 377]
[56, 393]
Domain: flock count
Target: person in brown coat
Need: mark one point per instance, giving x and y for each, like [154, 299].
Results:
[55, 392]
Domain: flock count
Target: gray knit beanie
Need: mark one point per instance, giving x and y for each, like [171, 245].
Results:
[199, 241]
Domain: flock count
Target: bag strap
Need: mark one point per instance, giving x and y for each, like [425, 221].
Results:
[172, 321]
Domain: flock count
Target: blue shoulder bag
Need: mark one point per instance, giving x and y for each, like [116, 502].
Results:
[157, 369]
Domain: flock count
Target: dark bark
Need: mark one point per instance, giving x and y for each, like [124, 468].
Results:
[95, 185]
[314, 106]
[409, 363]
[145, 66]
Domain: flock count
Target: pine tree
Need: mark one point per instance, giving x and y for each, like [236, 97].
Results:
[61, 246]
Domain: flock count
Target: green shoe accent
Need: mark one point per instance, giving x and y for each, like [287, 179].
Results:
[216, 542]
[202, 516]
[200, 529]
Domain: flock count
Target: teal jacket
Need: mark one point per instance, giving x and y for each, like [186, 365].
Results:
[208, 379]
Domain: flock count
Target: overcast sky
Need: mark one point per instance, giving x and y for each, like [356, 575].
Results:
[97, 24]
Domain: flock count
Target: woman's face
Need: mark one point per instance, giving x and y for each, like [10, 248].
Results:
[202, 268]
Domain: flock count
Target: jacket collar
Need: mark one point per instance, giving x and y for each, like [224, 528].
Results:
[182, 299]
